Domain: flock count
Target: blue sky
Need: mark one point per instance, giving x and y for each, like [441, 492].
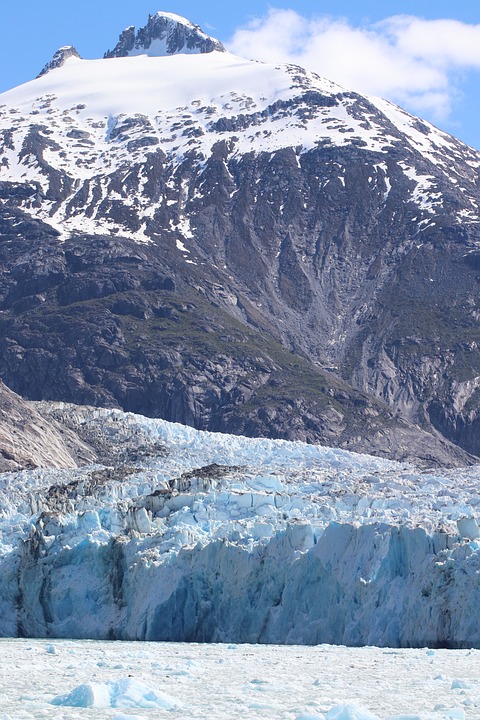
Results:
[429, 67]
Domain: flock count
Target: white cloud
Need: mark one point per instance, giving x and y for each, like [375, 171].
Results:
[404, 58]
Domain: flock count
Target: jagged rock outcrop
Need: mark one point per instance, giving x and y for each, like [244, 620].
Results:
[164, 34]
[59, 59]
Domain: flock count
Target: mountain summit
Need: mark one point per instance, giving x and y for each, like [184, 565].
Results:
[164, 34]
[59, 59]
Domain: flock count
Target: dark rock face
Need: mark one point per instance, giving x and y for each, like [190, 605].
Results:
[59, 58]
[177, 34]
[101, 321]
[327, 293]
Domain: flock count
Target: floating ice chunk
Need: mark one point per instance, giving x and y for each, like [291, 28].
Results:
[128, 693]
[309, 717]
[51, 649]
[460, 684]
[349, 712]
[84, 696]
[125, 693]
[127, 717]
[455, 714]
[138, 655]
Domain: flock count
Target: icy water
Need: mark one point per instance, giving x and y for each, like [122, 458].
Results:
[128, 681]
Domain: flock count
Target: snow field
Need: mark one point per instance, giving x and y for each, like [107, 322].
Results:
[102, 116]
[133, 681]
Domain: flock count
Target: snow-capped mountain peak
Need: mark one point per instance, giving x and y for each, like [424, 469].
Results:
[58, 60]
[164, 34]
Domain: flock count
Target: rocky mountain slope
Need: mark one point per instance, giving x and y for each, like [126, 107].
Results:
[30, 439]
[239, 247]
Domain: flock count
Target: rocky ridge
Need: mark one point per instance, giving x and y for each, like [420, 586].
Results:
[28, 439]
[58, 60]
[165, 33]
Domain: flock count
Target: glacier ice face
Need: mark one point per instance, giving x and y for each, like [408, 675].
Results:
[220, 538]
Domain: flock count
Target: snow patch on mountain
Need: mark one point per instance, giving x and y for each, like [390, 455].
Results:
[424, 194]
[100, 124]
[438, 147]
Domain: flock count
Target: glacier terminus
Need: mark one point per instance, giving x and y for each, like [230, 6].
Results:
[203, 537]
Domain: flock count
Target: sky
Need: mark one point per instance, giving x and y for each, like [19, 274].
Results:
[421, 54]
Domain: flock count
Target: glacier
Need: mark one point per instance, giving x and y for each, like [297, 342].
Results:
[185, 535]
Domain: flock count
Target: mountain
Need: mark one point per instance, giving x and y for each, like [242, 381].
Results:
[240, 247]
[202, 537]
